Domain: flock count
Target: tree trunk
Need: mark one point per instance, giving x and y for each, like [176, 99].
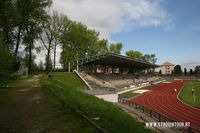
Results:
[48, 56]
[18, 41]
[63, 57]
[6, 41]
[30, 58]
[16, 49]
[54, 60]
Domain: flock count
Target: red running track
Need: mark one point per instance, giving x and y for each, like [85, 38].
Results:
[163, 100]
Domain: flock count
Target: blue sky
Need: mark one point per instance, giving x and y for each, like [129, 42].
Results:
[168, 28]
[180, 45]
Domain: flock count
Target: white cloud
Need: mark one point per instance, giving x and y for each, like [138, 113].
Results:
[113, 16]
[147, 13]
[102, 15]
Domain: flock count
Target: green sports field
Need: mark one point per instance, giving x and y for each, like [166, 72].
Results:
[186, 93]
[129, 94]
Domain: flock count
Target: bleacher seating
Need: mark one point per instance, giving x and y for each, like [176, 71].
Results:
[116, 81]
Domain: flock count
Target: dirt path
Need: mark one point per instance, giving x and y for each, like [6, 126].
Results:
[25, 109]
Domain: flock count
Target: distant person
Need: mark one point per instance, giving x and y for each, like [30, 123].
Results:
[175, 90]
[192, 91]
[49, 75]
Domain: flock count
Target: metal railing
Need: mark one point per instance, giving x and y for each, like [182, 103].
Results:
[155, 115]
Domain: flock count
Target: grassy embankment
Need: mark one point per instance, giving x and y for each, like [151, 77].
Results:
[186, 93]
[67, 88]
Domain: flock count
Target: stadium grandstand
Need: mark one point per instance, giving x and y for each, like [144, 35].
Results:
[108, 73]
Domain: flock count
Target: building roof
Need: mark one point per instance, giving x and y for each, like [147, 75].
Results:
[111, 59]
[167, 63]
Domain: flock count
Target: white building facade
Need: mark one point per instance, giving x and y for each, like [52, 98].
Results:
[167, 68]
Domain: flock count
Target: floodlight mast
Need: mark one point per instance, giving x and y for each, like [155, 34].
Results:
[77, 65]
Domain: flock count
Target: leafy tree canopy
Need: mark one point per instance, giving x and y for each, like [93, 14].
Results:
[77, 41]
[197, 69]
[134, 54]
[150, 58]
[177, 70]
[116, 48]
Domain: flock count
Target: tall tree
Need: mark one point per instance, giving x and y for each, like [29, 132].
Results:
[185, 71]
[160, 72]
[28, 10]
[41, 66]
[102, 46]
[177, 70]
[197, 69]
[27, 60]
[58, 20]
[14, 15]
[134, 54]
[32, 32]
[33, 26]
[47, 38]
[150, 58]
[90, 45]
[6, 62]
[50, 65]
[66, 45]
[6, 26]
[15, 18]
[191, 72]
[7, 23]
[116, 48]
[77, 41]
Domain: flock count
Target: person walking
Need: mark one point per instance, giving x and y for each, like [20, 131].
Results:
[175, 90]
[192, 91]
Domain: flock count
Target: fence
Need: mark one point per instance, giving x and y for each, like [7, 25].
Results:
[74, 108]
[21, 72]
[155, 115]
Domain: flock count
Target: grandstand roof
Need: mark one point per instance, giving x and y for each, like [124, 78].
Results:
[111, 59]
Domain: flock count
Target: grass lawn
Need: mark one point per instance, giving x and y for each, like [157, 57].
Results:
[67, 88]
[186, 93]
[8, 82]
[129, 94]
